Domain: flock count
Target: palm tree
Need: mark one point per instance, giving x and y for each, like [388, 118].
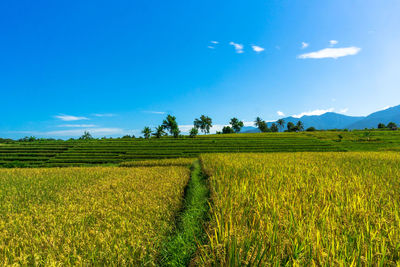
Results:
[170, 124]
[159, 131]
[281, 123]
[300, 126]
[258, 122]
[146, 132]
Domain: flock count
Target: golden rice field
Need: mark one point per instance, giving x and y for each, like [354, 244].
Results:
[302, 209]
[158, 162]
[87, 216]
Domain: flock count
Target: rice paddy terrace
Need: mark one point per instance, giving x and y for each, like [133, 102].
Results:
[115, 151]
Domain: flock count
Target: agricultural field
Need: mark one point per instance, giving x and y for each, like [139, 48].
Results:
[159, 162]
[324, 209]
[88, 216]
[114, 152]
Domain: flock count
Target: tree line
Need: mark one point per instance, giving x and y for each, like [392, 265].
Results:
[204, 123]
[169, 126]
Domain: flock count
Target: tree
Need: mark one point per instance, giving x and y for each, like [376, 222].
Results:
[290, 127]
[274, 128]
[311, 129]
[227, 130]
[170, 124]
[126, 137]
[300, 126]
[193, 132]
[257, 122]
[381, 126]
[204, 123]
[281, 123]
[159, 131]
[146, 132]
[176, 132]
[261, 125]
[391, 125]
[236, 124]
[86, 136]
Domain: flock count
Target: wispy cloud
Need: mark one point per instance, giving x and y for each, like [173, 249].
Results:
[214, 42]
[211, 47]
[257, 48]
[64, 117]
[248, 123]
[77, 125]
[304, 45]
[313, 112]
[238, 47]
[385, 108]
[77, 132]
[332, 53]
[214, 128]
[154, 112]
[104, 115]
[333, 42]
[344, 110]
[280, 113]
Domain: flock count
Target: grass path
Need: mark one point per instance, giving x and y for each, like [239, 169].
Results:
[180, 248]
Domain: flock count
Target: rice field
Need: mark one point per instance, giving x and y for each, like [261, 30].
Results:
[302, 209]
[88, 216]
[159, 162]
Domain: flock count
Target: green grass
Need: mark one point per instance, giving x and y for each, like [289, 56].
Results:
[180, 248]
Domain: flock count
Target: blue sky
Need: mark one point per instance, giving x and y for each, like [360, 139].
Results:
[114, 67]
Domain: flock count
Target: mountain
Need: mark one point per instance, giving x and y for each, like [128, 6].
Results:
[384, 116]
[331, 120]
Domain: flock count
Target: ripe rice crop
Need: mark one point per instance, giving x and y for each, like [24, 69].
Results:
[324, 209]
[158, 162]
[88, 216]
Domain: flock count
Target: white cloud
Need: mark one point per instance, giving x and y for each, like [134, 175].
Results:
[313, 112]
[332, 53]
[214, 128]
[280, 113]
[385, 108]
[214, 42]
[257, 49]
[70, 118]
[238, 47]
[154, 112]
[344, 110]
[304, 45]
[248, 123]
[78, 132]
[211, 47]
[333, 42]
[104, 115]
[77, 125]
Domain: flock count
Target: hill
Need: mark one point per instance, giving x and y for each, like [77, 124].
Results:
[384, 116]
[332, 120]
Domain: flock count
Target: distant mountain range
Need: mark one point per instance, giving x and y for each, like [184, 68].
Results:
[332, 120]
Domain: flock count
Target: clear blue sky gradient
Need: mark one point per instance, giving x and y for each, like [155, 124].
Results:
[134, 58]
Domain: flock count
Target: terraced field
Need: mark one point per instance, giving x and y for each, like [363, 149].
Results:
[113, 152]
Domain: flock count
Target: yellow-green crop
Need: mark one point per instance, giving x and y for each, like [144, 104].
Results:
[158, 162]
[324, 209]
[87, 216]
